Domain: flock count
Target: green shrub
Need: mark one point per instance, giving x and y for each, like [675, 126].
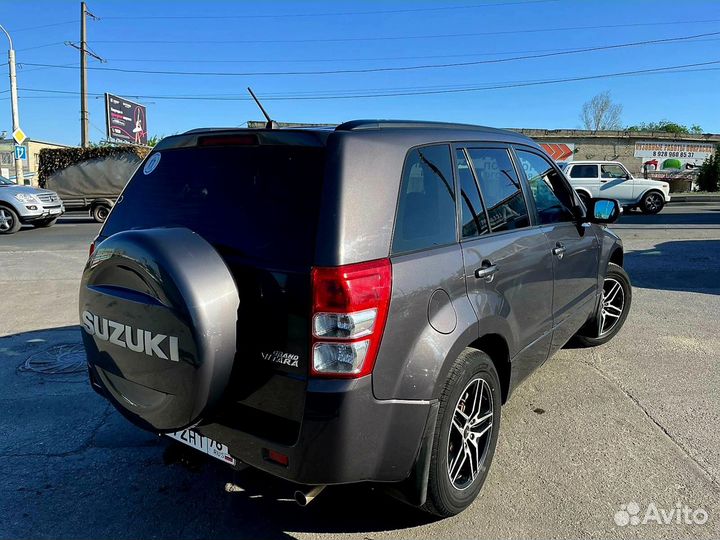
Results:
[52, 160]
[709, 176]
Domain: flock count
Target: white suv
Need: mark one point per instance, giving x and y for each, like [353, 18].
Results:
[610, 179]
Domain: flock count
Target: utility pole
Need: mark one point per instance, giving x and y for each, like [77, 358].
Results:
[84, 52]
[84, 117]
[19, 177]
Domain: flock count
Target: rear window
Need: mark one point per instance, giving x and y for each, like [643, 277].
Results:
[260, 202]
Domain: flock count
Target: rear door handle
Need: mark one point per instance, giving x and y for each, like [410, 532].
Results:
[486, 271]
[559, 250]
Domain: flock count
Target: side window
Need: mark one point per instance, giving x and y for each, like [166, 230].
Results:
[613, 171]
[584, 171]
[426, 209]
[552, 198]
[473, 222]
[500, 188]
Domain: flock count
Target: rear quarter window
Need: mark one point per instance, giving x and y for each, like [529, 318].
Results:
[584, 171]
[426, 206]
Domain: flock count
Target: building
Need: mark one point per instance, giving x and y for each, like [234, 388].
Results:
[30, 165]
[659, 155]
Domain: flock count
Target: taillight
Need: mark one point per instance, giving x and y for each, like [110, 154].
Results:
[350, 307]
[92, 250]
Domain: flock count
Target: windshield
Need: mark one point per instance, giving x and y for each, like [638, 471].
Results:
[258, 202]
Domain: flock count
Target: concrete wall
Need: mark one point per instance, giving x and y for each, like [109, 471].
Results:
[620, 146]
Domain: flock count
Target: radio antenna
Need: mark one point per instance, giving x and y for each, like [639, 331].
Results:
[270, 124]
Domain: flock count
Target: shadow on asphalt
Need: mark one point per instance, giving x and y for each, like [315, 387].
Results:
[700, 217]
[76, 218]
[679, 265]
[73, 467]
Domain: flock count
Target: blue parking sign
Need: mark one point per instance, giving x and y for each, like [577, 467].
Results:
[20, 152]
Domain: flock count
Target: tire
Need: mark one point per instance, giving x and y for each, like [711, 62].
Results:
[100, 212]
[44, 223]
[591, 335]
[473, 370]
[9, 221]
[652, 202]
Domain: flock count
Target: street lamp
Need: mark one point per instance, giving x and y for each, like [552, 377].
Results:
[19, 178]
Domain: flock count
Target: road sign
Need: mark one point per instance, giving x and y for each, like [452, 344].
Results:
[20, 152]
[559, 151]
[19, 136]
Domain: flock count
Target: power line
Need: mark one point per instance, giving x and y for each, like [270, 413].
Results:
[42, 46]
[44, 26]
[380, 93]
[330, 14]
[390, 68]
[400, 38]
[21, 65]
[363, 59]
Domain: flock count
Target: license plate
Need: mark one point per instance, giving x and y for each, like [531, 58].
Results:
[54, 210]
[204, 444]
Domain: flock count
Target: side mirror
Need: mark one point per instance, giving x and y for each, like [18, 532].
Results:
[603, 210]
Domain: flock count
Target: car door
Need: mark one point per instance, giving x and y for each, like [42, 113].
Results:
[574, 247]
[508, 265]
[614, 183]
[585, 175]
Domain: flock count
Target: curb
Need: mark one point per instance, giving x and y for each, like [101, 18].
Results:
[694, 198]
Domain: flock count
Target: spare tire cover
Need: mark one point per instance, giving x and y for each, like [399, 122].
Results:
[158, 309]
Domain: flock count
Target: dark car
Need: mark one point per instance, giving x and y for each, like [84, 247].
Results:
[345, 305]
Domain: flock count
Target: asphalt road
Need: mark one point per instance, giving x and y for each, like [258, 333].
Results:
[635, 420]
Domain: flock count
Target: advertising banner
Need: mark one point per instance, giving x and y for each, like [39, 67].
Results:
[672, 156]
[126, 120]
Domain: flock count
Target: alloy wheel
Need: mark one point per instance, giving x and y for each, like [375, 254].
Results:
[6, 220]
[612, 305]
[470, 433]
[653, 202]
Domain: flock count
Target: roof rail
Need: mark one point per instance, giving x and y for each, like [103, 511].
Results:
[353, 125]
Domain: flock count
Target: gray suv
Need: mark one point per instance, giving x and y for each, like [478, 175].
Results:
[345, 305]
[27, 205]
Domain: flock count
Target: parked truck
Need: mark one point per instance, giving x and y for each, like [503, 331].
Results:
[93, 185]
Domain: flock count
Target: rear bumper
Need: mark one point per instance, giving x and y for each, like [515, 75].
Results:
[346, 435]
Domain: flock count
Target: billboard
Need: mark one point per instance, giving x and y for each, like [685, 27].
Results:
[671, 155]
[126, 120]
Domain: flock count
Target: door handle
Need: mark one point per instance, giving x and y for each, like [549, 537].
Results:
[603, 181]
[486, 271]
[559, 250]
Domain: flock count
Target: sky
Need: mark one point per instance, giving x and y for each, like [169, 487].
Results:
[221, 47]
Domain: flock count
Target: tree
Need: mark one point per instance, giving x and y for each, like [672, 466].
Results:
[709, 176]
[667, 126]
[600, 113]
